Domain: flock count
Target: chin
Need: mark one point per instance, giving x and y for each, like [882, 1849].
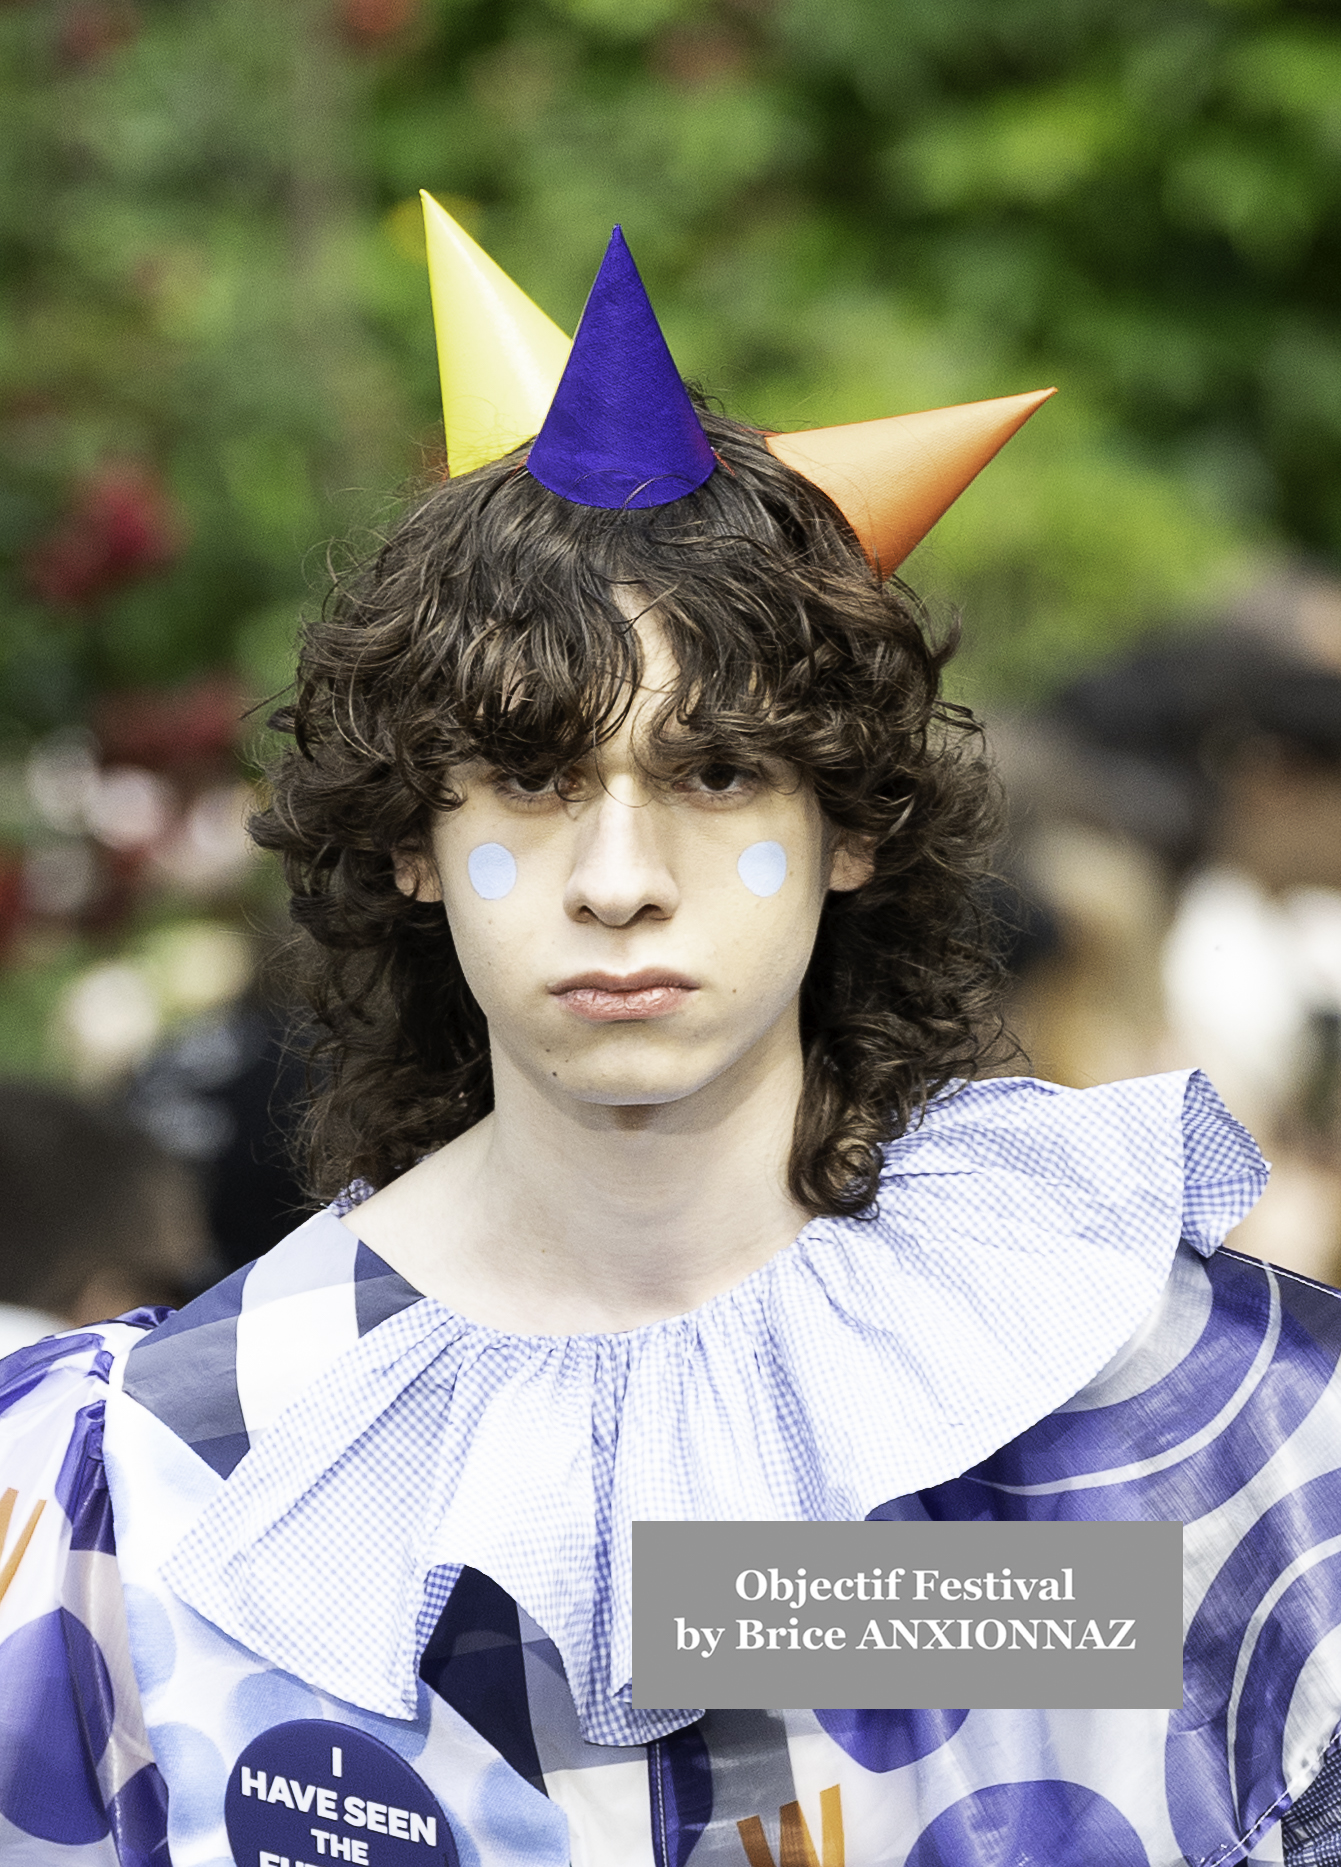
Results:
[631, 1094]
[623, 1084]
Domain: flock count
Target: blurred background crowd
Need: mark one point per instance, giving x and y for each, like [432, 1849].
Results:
[216, 357]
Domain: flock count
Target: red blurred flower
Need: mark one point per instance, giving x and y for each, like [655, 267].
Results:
[27, 405]
[120, 888]
[696, 54]
[368, 22]
[12, 898]
[166, 730]
[93, 28]
[122, 527]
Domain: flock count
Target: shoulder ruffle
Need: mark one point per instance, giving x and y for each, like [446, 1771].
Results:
[1023, 1233]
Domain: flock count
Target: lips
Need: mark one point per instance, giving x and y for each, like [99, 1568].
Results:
[610, 998]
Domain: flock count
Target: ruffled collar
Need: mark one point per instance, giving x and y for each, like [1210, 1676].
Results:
[1023, 1233]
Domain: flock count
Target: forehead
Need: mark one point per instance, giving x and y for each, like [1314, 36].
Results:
[546, 682]
[659, 671]
[632, 686]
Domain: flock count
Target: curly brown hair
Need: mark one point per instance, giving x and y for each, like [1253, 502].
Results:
[488, 627]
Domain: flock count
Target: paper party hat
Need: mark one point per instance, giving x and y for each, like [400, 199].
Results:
[499, 356]
[621, 431]
[893, 479]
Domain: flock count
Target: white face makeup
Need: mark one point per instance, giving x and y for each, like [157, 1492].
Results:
[763, 868]
[492, 870]
[602, 924]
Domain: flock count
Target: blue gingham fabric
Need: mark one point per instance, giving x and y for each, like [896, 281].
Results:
[1022, 1233]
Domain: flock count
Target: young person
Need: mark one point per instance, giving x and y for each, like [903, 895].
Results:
[641, 859]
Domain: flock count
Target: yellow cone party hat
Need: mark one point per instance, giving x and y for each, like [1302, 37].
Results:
[893, 479]
[499, 356]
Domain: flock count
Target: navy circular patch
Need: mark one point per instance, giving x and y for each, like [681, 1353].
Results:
[310, 1792]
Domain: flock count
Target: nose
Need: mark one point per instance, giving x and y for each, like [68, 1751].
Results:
[620, 873]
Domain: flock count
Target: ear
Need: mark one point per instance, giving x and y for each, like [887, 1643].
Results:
[852, 863]
[417, 875]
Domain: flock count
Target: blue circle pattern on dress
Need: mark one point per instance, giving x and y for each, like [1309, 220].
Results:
[1261, 1366]
[890, 1740]
[1040, 1824]
[155, 1642]
[194, 1766]
[48, 1784]
[1208, 1766]
[261, 1699]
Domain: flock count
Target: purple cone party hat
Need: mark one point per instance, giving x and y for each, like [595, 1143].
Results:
[621, 432]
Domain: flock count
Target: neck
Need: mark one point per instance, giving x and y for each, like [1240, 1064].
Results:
[556, 1216]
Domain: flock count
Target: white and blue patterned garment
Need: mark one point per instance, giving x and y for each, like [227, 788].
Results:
[340, 1506]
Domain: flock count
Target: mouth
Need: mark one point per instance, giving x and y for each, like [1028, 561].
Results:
[608, 998]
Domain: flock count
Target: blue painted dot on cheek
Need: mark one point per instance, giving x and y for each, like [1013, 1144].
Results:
[763, 868]
[492, 870]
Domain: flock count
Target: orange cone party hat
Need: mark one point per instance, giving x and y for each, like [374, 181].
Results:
[500, 358]
[893, 479]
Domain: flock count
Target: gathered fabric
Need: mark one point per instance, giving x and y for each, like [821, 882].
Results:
[1022, 1233]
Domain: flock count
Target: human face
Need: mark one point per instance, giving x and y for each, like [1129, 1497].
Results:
[627, 938]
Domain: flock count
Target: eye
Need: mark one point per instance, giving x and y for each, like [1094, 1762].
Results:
[532, 787]
[721, 777]
[718, 778]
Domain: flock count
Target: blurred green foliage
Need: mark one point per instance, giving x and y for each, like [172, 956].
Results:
[843, 208]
